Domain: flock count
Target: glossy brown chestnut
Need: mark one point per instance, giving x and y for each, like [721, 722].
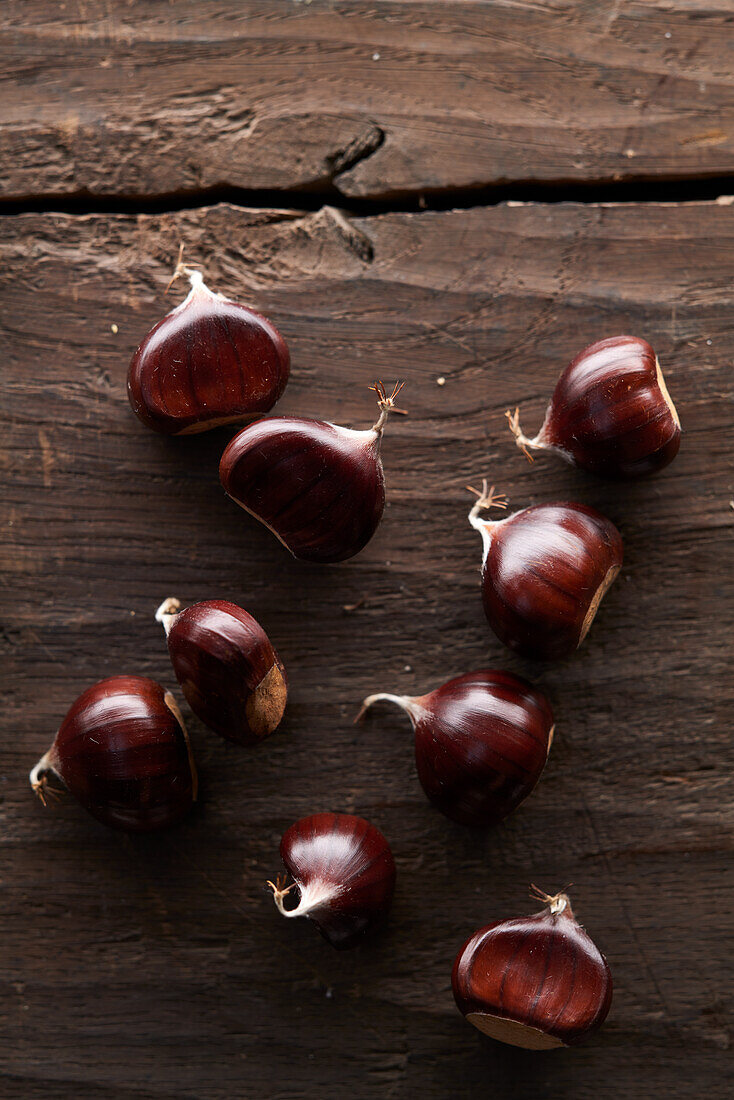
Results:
[210, 361]
[228, 670]
[123, 752]
[481, 742]
[610, 413]
[318, 487]
[545, 571]
[344, 875]
[537, 982]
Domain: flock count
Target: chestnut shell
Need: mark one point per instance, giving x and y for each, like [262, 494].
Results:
[123, 752]
[611, 412]
[210, 361]
[228, 670]
[481, 743]
[544, 575]
[348, 860]
[318, 487]
[538, 982]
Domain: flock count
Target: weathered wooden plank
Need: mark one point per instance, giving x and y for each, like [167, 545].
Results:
[380, 99]
[157, 967]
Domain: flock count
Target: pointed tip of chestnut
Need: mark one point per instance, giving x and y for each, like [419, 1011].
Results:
[343, 872]
[537, 982]
[610, 413]
[123, 752]
[318, 487]
[167, 611]
[386, 403]
[210, 361]
[39, 778]
[228, 670]
[487, 499]
[521, 440]
[545, 571]
[405, 702]
[280, 890]
[556, 903]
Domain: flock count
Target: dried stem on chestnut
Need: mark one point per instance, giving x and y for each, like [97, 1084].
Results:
[386, 404]
[280, 890]
[194, 274]
[557, 903]
[513, 419]
[39, 780]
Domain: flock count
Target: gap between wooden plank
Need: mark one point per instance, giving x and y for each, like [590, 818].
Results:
[308, 199]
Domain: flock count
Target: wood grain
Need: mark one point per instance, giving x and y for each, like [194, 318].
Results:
[379, 100]
[157, 967]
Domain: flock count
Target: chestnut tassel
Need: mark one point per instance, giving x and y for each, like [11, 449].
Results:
[228, 670]
[538, 982]
[318, 487]
[123, 752]
[481, 743]
[344, 875]
[210, 361]
[610, 413]
[545, 570]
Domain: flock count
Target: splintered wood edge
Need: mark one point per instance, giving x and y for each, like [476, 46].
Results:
[512, 1032]
[265, 706]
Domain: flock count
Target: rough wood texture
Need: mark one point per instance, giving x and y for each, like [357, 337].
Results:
[153, 97]
[150, 968]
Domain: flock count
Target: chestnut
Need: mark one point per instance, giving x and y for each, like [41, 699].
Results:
[610, 413]
[318, 487]
[210, 361]
[344, 875]
[537, 982]
[123, 752]
[228, 670]
[545, 570]
[481, 743]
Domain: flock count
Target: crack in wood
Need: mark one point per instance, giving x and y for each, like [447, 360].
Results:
[364, 145]
[357, 241]
[294, 201]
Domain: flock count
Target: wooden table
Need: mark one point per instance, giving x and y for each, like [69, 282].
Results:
[142, 968]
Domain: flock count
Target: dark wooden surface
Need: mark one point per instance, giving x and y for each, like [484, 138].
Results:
[157, 967]
[114, 96]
